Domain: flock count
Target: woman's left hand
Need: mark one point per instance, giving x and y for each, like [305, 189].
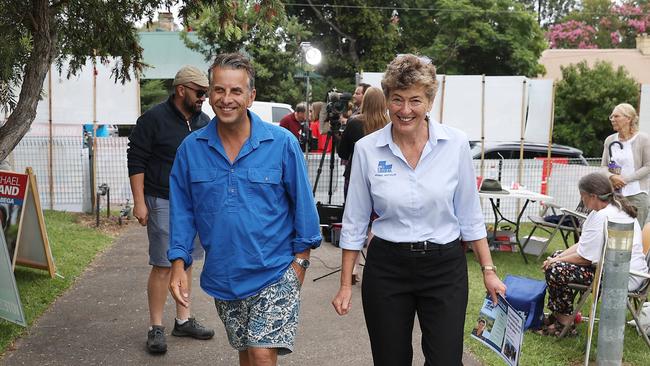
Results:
[617, 181]
[493, 285]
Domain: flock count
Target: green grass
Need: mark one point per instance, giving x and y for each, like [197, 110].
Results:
[73, 248]
[536, 349]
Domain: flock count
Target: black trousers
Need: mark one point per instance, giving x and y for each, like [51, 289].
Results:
[397, 284]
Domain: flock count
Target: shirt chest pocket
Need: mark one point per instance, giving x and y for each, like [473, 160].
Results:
[207, 194]
[264, 186]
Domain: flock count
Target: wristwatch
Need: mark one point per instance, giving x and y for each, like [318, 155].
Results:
[304, 263]
[489, 267]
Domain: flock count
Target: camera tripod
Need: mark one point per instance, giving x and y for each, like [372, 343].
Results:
[331, 139]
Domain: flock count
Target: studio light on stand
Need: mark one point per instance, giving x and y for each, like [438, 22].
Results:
[312, 57]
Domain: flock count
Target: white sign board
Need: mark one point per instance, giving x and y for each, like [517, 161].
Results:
[644, 109]
[72, 99]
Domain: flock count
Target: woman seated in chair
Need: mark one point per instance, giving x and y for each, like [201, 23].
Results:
[574, 265]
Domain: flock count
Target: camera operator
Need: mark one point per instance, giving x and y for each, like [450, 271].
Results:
[357, 97]
[371, 118]
[294, 121]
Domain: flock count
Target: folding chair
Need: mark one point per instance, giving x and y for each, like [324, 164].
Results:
[568, 223]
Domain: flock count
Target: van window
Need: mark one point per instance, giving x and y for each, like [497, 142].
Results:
[278, 112]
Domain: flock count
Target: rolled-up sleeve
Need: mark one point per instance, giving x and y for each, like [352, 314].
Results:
[358, 206]
[305, 216]
[182, 229]
[466, 199]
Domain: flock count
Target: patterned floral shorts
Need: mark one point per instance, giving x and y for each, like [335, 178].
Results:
[268, 319]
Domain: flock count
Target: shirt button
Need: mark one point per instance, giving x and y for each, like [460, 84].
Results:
[266, 179]
[232, 191]
[232, 170]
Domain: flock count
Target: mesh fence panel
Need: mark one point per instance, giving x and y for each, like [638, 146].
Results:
[71, 175]
[69, 169]
[112, 168]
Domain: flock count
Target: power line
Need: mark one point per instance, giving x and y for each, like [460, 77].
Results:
[438, 10]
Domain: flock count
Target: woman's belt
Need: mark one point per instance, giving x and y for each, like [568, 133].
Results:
[421, 246]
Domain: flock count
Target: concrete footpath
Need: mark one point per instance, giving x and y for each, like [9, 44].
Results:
[103, 319]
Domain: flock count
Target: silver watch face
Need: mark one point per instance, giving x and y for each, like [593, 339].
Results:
[304, 263]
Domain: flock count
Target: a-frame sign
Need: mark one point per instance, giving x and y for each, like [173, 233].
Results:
[23, 222]
[11, 308]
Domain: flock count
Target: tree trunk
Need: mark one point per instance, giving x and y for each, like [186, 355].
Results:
[36, 68]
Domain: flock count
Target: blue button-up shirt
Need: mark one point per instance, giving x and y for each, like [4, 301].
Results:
[252, 215]
[436, 201]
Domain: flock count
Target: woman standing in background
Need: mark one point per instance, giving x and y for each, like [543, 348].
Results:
[630, 149]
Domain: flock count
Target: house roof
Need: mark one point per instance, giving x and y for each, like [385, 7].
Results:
[636, 63]
[166, 53]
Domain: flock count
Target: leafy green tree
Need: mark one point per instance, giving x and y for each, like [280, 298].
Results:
[353, 35]
[36, 33]
[263, 31]
[152, 92]
[583, 101]
[550, 11]
[492, 37]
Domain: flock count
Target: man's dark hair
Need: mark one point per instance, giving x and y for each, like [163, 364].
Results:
[364, 87]
[301, 108]
[235, 61]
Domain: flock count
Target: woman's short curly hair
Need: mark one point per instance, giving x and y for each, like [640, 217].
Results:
[408, 70]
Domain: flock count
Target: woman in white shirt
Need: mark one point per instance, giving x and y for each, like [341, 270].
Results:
[630, 149]
[418, 176]
[574, 265]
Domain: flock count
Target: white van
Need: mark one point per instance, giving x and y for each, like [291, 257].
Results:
[268, 111]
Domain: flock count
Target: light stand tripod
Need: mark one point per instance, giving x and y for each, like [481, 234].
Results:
[331, 138]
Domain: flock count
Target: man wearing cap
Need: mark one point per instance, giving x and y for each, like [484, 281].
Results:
[152, 149]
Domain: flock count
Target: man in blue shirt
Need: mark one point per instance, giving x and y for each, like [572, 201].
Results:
[241, 183]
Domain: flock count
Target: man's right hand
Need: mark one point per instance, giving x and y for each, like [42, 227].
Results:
[141, 213]
[178, 285]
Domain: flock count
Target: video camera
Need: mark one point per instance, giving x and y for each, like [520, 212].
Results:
[337, 104]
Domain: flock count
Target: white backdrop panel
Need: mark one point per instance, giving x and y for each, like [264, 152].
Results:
[72, 99]
[462, 104]
[503, 106]
[372, 78]
[540, 103]
[644, 109]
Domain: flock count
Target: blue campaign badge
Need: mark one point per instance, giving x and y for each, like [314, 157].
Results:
[383, 167]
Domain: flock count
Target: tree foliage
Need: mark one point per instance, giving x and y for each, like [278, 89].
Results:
[550, 11]
[583, 101]
[601, 24]
[264, 32]
[36, 33]
[493, 37]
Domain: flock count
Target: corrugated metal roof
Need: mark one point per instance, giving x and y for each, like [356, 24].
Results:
[166, 53]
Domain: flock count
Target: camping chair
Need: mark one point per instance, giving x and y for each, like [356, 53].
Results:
[566, 222]
[635, 299]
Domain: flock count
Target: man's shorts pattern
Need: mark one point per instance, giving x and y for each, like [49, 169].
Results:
[158, 232]
[268, 319]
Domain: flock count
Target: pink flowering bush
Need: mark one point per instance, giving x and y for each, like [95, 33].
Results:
[571, 34]
[617, 30]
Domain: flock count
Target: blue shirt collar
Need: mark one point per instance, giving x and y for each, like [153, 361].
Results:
[259, 131]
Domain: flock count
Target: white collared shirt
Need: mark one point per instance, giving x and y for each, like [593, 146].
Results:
[436, 201]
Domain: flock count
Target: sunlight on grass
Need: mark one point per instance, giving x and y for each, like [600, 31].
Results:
[73, 248]
[536, 349]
